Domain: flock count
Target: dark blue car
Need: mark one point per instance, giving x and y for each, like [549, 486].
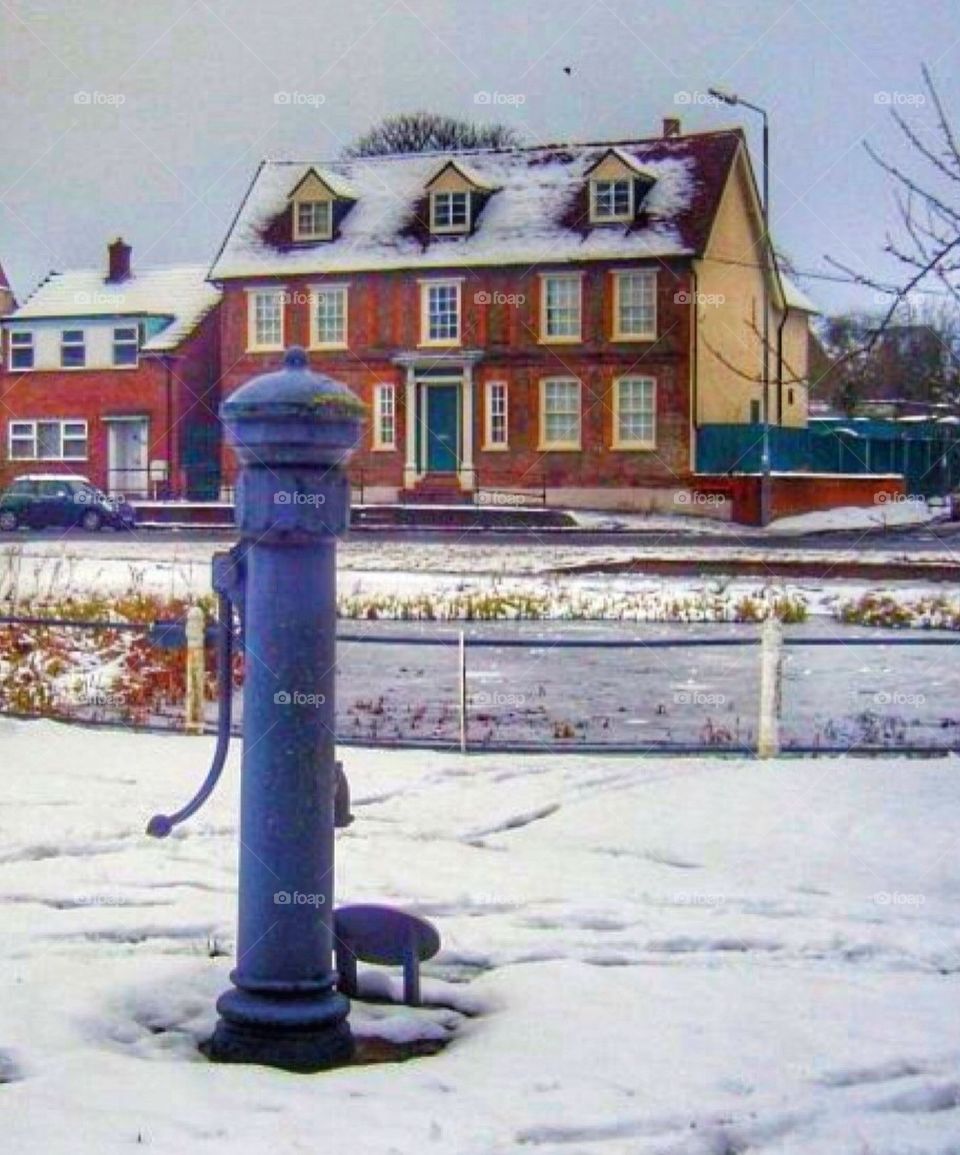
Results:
[38, 500]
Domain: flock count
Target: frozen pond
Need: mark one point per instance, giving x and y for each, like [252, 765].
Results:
[541, 693]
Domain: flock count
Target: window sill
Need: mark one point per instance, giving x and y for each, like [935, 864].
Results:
[328, 347]
[439, 345]
[265, 348]
[560, 340]
[567, 448]
[633, 337]
[383, 449]
[500, 447]
[633, 446]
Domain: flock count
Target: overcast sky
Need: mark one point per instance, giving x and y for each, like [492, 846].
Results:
[148, 119]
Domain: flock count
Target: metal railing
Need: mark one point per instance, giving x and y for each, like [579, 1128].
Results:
[453, 689]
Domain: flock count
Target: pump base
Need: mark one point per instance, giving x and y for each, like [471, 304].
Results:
[295, 1035]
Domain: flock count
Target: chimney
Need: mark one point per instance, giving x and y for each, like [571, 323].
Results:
[671, 126]
[118, 260]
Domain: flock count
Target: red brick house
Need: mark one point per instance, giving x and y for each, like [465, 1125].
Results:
[115, 375]
[560, 317]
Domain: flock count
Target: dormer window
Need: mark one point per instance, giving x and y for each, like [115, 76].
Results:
[318, 203]
[611, 200]
[313, 220]
[450, 212]
[618, 183]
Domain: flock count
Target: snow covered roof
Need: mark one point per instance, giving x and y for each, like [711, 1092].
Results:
[539, 212]
[178, 292]
[795, 297]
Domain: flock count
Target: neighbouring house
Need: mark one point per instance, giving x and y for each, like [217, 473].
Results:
[7, 301]
[554, 320]
[115, 374]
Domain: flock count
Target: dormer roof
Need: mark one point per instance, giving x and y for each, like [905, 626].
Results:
[539, 215]
[470, 176]
[629, 162]
[332, 183]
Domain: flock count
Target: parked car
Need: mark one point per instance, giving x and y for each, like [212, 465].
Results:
[61, 499]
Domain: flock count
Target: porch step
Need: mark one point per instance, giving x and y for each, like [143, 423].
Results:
[436, 489]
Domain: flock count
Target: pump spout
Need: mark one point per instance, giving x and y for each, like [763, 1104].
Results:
[160, 825]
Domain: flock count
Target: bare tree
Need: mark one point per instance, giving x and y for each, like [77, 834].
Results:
[928, 202]
[429, 132]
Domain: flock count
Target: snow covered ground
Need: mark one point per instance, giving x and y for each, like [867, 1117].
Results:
[653, 957]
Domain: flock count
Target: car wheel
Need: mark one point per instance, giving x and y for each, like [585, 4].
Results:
[91, 521]
[8, 521]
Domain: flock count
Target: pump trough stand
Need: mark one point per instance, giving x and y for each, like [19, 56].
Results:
[292, 432]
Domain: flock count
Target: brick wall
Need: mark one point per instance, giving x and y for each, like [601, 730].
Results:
[500, 315]
[172, 393]
[793, 494]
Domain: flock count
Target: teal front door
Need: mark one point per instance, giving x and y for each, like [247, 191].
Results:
[443, 403]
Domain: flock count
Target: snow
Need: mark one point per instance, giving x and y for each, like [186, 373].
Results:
[660, 957]
[520, 223]
[886, 514]
[180, 292]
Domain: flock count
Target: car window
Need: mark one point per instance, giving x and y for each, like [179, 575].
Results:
[22, 489]
[54, 489]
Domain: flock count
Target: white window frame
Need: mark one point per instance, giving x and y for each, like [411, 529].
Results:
[568, 444]
[619, 333]
[16, 433]
[599, 218]
[125, 343]
[450, 226]
[316, 291]
[65, 344]
[29, 344]
[488, 415]
[546, 338]
[384, 416]
[618, 440]
[312, 233]
[456, 283]
[253, 345]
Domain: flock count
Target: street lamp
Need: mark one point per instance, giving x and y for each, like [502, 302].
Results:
[733, 99]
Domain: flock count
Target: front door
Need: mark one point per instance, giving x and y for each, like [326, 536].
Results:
[127, 457]
[443, 405]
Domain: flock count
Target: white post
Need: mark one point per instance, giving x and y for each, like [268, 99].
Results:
[463, 692]
[410, 418]
[196, 628]
[466, 420]
[771, 662]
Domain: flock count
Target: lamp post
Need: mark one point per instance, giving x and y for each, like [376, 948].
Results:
[733, 99]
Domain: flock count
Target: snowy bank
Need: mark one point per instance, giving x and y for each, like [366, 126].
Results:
[657, 957]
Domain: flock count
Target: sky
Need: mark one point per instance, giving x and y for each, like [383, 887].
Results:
[148, 120]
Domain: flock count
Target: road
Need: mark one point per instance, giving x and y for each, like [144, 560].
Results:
[937, 537]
